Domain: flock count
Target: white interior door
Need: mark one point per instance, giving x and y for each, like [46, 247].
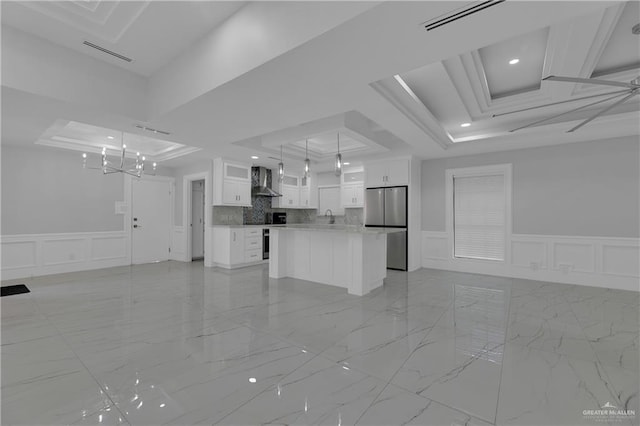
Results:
[151, 217]
[197, 219]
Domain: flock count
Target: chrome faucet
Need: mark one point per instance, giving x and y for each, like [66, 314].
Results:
[332, 219]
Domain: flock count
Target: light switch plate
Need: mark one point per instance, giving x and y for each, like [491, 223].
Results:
[121, 207]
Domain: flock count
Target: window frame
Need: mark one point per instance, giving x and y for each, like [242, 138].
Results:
[490, 170]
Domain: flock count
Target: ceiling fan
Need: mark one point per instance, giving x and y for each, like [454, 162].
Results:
[630, 90]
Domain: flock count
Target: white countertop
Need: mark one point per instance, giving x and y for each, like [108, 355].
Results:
[335, 228]
[241, 226]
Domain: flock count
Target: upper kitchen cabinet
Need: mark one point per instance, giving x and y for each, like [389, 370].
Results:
[387, 173]
[231, 183]
[352, 188]
[297, 192]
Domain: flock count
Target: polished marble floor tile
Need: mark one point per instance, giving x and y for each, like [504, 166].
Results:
[544, 388]
[321, 392]
[396, 406]
[176, 343]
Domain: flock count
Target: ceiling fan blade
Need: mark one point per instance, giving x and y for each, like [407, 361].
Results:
[618, 94]
[561, 102]
[590, 81]
[613, 105]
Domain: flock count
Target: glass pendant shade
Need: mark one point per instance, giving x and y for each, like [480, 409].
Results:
[280, 167]
[280, 171]
[307, 162]
[307, 167]
[338, 164]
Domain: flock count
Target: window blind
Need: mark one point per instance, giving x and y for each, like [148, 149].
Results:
[479, 217]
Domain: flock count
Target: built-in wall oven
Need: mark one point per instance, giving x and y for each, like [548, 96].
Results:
[265, 243]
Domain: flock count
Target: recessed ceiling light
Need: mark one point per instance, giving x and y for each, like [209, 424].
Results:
[514, 61]
[254, 157]
[346, 163]
[109, 137]
[465, 125]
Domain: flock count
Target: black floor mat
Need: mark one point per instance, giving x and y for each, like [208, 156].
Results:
[10, 290]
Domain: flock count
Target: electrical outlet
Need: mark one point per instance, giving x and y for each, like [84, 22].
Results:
[565, 268]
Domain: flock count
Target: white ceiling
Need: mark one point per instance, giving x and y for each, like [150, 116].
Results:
[621, 52]
[279, 71]
[505, 79]
[149, 32]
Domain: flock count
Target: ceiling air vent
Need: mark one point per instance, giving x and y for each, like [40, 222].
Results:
[149, 129]
[107, 51]
[459, 13]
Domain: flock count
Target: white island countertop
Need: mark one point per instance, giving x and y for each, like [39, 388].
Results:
[335, 228]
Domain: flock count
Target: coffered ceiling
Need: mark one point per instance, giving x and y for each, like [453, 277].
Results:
[88, 138]
[240, 79]
[487, 92]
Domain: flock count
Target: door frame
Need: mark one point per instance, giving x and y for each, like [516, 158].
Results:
[128, 196]
[186, 212]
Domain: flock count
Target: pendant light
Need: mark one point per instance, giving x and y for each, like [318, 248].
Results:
[280, 167]
[307, 163]
[338, 163]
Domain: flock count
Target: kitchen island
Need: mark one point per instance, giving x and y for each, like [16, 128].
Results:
[352, 257]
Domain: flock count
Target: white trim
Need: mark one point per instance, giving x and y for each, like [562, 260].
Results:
[186, 212]
[608, 262]
[503, 169]
[26, 255]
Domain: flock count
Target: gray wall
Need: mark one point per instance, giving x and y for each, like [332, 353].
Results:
[46, 190]
[583, 188]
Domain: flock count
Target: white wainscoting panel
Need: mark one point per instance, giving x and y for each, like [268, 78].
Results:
[578, 256]
[525, 253]
[620, 260]
[60, 251]
[108, 247]
[19, 254]
[28, 255]
[592, 261]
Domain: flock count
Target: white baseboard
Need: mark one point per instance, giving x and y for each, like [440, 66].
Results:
[29, 255]
[238, 265]
[591, 261]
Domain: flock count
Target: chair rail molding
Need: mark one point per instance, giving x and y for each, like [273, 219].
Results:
[608, 262]
[28, 255]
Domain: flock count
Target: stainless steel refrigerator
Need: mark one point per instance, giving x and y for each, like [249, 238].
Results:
[387, 207]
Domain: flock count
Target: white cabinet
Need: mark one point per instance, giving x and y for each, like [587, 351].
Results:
[352, 188]
[236, 193]
[228, 246]
[297, 193]
[232, 183]
[308, 196]
[352, 176]
[236, 247]
[352, 195]
[388, 173]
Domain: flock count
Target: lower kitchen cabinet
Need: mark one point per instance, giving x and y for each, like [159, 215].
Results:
[236, 247]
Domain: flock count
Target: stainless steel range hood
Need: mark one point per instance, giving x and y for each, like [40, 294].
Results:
[262, 188]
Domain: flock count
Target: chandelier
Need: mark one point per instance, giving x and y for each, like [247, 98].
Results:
[132, 168]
